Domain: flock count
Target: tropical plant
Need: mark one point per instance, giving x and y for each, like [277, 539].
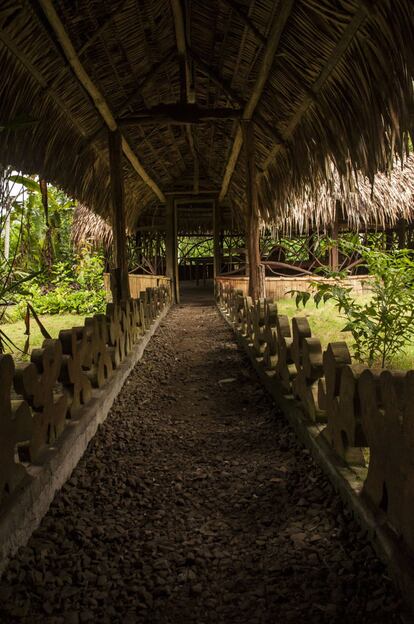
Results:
[384, 324]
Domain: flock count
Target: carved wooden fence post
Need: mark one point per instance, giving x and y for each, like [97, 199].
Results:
[15, 428]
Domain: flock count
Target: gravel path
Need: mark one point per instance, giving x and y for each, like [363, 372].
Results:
[194, 503]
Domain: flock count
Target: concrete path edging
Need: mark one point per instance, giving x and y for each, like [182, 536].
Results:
[27, 506]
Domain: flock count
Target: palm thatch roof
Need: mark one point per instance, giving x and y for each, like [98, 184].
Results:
[325, 81]
[361, 204]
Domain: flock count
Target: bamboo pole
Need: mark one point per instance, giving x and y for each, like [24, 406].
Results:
[334, 251]
[171, 259]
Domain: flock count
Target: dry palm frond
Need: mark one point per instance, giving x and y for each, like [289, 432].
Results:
[89, 227]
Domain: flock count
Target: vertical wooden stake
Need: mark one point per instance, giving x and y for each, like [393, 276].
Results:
[256, 269]
[171, 258]
[334, 252]
[402, 233]
[120, 283]
[217, 239]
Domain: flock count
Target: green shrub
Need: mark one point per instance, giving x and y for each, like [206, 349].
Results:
[75, 289]
[382, 327]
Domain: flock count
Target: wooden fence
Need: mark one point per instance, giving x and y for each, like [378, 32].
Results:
[359, 420]
[277, 287]
[49, 399]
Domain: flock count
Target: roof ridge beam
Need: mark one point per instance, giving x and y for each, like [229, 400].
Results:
[97, 98]
[269, 54]
[188, 95]
[180, 26]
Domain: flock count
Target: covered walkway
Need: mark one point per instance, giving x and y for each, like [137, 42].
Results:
[195, 503]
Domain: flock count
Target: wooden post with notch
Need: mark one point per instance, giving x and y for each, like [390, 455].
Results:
[256, 269]
[171, 258]
[120, 278]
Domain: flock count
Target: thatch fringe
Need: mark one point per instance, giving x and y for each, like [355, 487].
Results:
[88, 227]
[380, 204]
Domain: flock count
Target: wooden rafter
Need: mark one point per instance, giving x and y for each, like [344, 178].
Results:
[332, 62]
[98, 99]
[188, 96]
[272, 44]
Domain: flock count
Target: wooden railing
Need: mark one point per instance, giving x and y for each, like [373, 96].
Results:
[363, 416]
[139, 283]
[278, 287]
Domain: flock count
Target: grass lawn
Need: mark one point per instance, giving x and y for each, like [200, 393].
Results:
[326, 324]
[52, 322]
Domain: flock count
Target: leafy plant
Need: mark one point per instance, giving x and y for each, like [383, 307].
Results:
[75, 288]
[384, 325]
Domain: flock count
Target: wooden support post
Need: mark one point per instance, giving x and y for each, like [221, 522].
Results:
[256, 269]
[120, 282]
[334, 252]
[217, 238]
[171, 259]
[389, 238]
[402, 233]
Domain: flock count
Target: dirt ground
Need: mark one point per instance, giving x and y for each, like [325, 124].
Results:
[194, 503]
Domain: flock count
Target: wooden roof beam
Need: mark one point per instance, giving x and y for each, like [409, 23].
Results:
[272, 44]
[246, 20]
[347, 36]
[97, 98]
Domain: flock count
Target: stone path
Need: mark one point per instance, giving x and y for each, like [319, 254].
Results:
[195, 504]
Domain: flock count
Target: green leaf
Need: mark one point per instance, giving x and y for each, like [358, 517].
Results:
[28, 183]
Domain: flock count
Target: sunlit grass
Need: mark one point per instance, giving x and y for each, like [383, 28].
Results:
[327, 324]
[53, 323]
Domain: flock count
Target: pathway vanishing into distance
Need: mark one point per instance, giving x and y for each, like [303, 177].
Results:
[194, 503]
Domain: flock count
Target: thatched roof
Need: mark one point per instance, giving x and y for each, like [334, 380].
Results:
[361, 204]
[324, 81]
